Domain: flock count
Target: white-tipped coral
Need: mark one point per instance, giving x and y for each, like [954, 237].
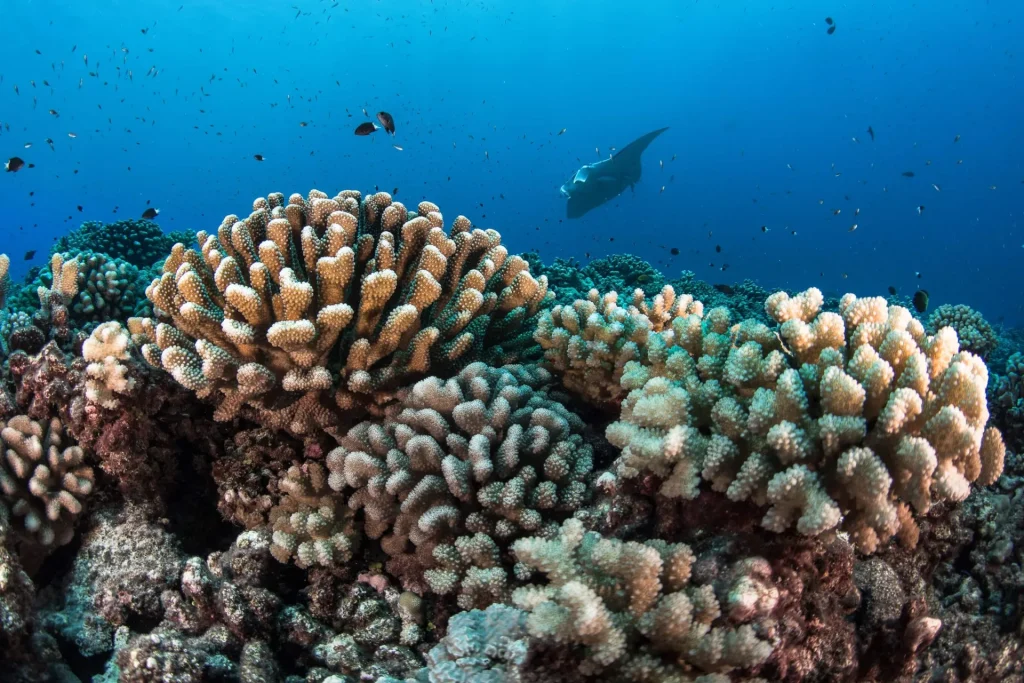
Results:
[630, 606]
[310, 308]
[590, 342]
[43, 478]
[106, 375]
[846, 420]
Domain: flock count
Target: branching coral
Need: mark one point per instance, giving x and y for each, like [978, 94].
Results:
[139, 242]
[43, 479]
[312, 523]
[107, 376]
[834, 418]
[320, 306]
[973, 331]
[590, 342]
[5, 278]
[459, 469]
[633, 611]
[1007, 400]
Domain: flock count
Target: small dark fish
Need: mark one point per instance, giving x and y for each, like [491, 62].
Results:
[920, 210]
[718, 248]
[30, 254]
[366, 128]
[150, 213]
[724, 289]
[80, 208]
[831, 29]
[921, 300]
[674, 251]
[387, 121]
[257, 157]
[871, 132]
[892, 290]
[828, 20]
[907, 174]
[957, 138]
[14, 164]
[764, 228]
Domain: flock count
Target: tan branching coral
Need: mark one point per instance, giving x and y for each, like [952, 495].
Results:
[43, 478]
[312, 525]
[833, 420]
[459, 469]
[590, 342]
[632, 608]
[5, 278]
[315, 306]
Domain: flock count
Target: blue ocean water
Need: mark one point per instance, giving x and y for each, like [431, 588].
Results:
[768, 115]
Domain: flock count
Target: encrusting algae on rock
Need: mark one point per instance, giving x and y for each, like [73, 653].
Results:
[319, 307]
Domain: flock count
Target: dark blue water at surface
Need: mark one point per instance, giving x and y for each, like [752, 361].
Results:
[763, 107]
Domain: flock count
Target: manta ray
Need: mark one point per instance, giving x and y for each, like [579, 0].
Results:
[595, 184]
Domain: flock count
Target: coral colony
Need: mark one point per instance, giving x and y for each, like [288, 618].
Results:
[335, 441]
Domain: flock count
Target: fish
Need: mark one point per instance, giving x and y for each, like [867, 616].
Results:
[831, 29]
[852, 228]
[836, 212]
[724, 289]
[957, 138]
[397, 147]
[28, 145]
[764, 228]
[674, 251]
[54, 113]
[871, 132]
[921, 300]
[49, 141]
[29, 254]
[856, 212]
[920, 210]
[854, 138]
[387, 121]
[718, 248]
[596, 184]
[72, 135]
[303, 124]
[907, 174]
[366, 128]
[937, 189]
[828, 20]
[258, 157]
[561, 131]
[150, 213]
[14, 164]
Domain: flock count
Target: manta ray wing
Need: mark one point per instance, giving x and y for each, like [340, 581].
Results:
[596, 184]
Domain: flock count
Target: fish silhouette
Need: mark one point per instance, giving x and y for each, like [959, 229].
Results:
[598, 183]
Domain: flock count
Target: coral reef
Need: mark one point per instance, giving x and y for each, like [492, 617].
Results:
[604, 596]
[138, 242]
[458, 470]
[973, 331]
[834, 420]
[589, 343]
[337, 442]
[1006, 397]
[43, 478]
[319, 307]
[5, 278]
